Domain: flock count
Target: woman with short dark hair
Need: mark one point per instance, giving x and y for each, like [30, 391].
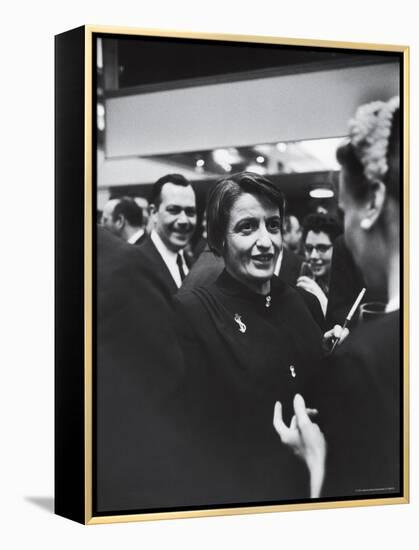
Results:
[246, 338]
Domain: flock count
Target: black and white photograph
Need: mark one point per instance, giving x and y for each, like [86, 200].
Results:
[209, 299]
[248, 262]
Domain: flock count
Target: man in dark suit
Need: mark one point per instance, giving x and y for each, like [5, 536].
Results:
[173, 209]
[124, 218]
[140, 439]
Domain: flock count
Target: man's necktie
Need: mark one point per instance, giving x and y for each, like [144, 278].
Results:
[179, 262]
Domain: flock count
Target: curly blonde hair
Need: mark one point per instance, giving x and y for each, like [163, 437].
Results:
[370, 132]
[373, 150]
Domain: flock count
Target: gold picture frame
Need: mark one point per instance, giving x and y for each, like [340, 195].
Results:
[76, 184]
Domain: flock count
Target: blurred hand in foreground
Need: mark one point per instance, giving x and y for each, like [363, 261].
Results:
[305, 438]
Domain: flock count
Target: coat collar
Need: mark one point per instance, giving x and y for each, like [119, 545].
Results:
[231, 286]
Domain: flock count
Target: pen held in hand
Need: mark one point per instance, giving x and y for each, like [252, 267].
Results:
[348, 318]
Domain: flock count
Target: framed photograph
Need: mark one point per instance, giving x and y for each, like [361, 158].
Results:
[231, 274]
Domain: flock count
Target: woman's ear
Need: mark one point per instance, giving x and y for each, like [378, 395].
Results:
[374, 205]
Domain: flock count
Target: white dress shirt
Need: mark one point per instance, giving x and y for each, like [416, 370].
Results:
[169, 258]
[135, 236]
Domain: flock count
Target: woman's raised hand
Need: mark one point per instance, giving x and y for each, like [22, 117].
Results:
[310, 285]
[305, 438]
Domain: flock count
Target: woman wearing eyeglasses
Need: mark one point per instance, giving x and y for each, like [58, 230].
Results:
[319, 234]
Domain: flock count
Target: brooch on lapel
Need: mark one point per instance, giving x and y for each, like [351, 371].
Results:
[238, 319]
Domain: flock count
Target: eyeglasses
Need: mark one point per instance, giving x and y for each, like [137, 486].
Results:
[320, 248]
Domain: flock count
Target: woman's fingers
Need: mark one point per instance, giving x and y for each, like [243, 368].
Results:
[340, 332]
[344, 334]
[311, 286]
[337, 331]
[279, 424]
[327, 335]
[304, 279]
[305, 282]
[336, 334]
[278, 420]
[300, 410]
[305, 438]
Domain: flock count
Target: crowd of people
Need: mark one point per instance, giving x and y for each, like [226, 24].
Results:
[198, 349]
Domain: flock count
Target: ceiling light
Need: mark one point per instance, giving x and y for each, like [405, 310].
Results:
[281, 146]
[321, 193]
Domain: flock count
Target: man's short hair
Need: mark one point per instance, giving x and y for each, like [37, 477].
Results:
[176, 179]
[128, 208]
[321, 223]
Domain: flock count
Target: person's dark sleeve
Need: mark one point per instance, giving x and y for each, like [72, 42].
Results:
[346, 282]
[138, 372]
[314, 307]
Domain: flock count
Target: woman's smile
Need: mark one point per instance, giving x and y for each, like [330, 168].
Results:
[263, 260]
[253, 241]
